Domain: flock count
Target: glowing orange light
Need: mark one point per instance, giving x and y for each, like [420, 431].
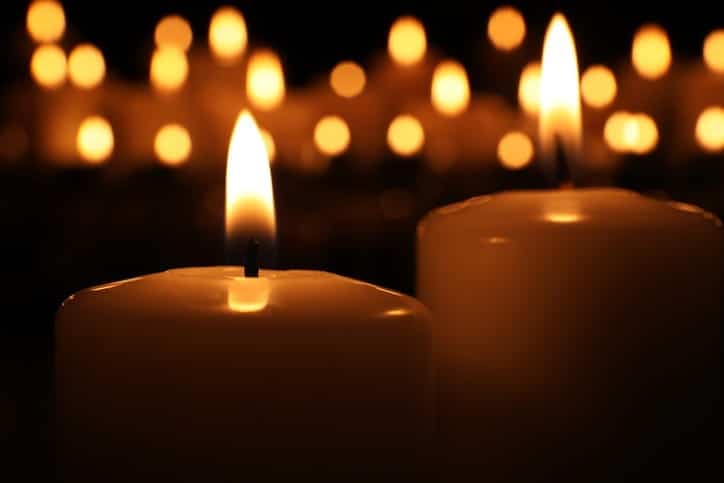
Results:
[169, 69]
[347, 79]
[506, 28]
[598, 86]
[248, 294]
[651, 52]
[529, 88]
[714, 50]
[450, 89]
[265, 80]
[48, 66]
[95, 139]
[633, 133]
[45, 21]
[560, 102]
[86, 66]
[710, 129]
[173, 31]
[172, 144]
[249, 195]
[227, 34]
[407, 42]
[515, 150]
[405, 136]
[331, 135]
[269, 144]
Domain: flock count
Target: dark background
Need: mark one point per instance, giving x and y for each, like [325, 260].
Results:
[66, 230]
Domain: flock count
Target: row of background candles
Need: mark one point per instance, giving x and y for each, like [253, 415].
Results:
[412, 102]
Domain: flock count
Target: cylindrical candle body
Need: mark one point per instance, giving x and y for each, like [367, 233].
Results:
[203, 375]
[567, 324]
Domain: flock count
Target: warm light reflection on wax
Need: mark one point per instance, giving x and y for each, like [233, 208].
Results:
[331, 135]
[506, 28]
[560, 102]
[172, 144]
[450, 92]
[265, 80]
[173, 31]
[95, 139]
[405, 136]
[529, 89]
[48, 66]
[651, 52]
[249, 195]
[169, 69]
[407, 41]
[86, 66]
[45, 21]
[245, 295]
[227, 34]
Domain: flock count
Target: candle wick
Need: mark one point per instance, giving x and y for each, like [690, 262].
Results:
[562, 168]
[251, 266]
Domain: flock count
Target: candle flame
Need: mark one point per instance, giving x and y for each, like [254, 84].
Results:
[560, 101]
[249, 195]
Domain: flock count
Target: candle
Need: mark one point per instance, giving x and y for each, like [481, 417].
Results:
[572, 328]
[222, 373]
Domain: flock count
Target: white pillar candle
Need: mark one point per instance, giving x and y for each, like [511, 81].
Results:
[567, 319]
[210, 374]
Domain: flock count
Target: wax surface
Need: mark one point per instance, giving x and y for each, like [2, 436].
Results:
[566, 320]
[202, 373]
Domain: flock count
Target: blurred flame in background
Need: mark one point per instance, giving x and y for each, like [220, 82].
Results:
[271, 148]
[331, 135]
[627, 132]
[515, 150]
[95, 139]
[265, 80]
[407, 41]
[45, 21]
[714, 50]
[172, 144]
[405, 136]
[173, 31]
[598, 86]
[86, 66]
[227, 34]
[347, 79]
[506, 28]
[48, 66]
[710, 129]
[169, 69]
[450, 92]
[529, 88]
[651, 52]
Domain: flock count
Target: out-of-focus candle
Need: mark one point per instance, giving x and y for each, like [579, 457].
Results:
[331, 135]
[265, 87]
[173, 31]
[212, 374]
[347, 79]
[172, 144]
[227, 34]
[529, 89]
[598, 86]
[710, 129]
[450, 91]
[86, 66]
[407, 42]
[48, 66]
[45, 21]
[405, 135]
[506, 28]
[95, 139]
[651, 52]
[169, 69]
[552, 309]
[714, 50]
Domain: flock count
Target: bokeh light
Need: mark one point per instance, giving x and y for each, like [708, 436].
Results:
[631, 132]
[515, 150]
[173, 31]
[405, 136]
[172, 145]
[506, 28]
[407, 41]
[598, 86]
[45, 21]
[331, 135]
[227, 34]
[86, 66]
[651, 52]
[347, 79]
[269, 144]
[710, 129]
[450, 91]
[48, 66]
[169, 69]
[714, 50]
[265, 80]
[529, 88]
[95, 140]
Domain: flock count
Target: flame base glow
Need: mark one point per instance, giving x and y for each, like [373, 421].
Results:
[249, 195]
[560, 100]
